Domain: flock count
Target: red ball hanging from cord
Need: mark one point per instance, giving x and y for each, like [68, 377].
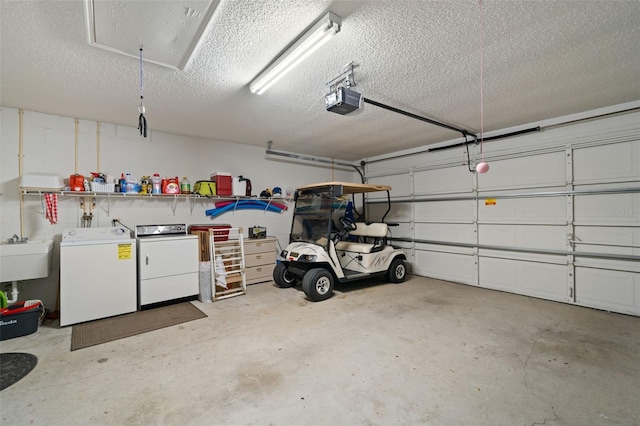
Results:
[482, 167]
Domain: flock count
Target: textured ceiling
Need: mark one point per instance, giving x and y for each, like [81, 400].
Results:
[168, 32]
[542, 59]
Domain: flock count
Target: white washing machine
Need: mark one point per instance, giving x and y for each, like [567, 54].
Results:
[98, 269]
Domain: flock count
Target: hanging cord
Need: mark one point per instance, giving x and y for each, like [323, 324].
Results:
[482, 166]
[481, 82]
[142, 120]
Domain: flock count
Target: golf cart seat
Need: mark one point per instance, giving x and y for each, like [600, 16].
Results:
[371, 238]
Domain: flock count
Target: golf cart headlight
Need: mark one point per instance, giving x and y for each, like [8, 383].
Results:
[307, 258]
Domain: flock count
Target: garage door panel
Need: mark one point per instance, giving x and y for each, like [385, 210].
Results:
[607, 209]
[541, 210]
[445, 266]
[445, 211]
[524, 236]
[400, 212]
[443, 248]
[605, 289]
[607, 163]
[630, 265]
[449, 232]
[536, 171]
[400, 184]
[542, 280]
[609, 239]
[441, 181]
[524, 256]
[403, 230]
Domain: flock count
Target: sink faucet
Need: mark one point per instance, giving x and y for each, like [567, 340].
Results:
[15, 239]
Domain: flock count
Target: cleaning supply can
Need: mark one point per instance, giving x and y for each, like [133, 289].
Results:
[185, 186]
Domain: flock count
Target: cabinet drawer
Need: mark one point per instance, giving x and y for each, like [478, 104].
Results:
[260, 259]
[259, 246]
[168, 288]
[258, 274]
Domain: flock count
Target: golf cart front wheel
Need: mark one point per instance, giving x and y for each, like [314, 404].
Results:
[282, 277]
[317, 284]
[397, 271]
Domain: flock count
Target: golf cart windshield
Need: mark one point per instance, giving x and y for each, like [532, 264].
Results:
[315, 216]
[319, 208]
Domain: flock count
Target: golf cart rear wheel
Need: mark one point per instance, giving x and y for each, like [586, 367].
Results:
[397, 271]
[282, 277]
[317, 284]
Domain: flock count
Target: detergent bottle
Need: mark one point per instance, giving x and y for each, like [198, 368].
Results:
[171, 185]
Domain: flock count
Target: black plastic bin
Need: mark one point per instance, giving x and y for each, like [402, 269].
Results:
[18, 320]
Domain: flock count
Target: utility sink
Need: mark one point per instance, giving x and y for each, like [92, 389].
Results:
[25, 261]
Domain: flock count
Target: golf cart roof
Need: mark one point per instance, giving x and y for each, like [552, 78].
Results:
[347, 187]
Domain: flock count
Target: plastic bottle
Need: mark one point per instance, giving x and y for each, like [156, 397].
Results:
[123, 183]
[157, 184]
[131, 184]
[185, 186]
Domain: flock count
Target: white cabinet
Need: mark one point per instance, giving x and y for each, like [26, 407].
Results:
[259, 259]
[167, 268]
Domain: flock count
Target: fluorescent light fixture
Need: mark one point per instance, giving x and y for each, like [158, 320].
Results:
[307, 43]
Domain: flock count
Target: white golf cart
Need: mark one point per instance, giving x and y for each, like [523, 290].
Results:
[320, 253]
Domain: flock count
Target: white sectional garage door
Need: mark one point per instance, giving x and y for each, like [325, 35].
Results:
[556, 217]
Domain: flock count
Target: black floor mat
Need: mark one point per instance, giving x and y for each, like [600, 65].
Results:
[14, 366]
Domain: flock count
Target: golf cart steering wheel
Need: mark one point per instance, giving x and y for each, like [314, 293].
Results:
[348, 223]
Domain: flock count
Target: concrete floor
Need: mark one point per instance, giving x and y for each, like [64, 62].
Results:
[421, 352]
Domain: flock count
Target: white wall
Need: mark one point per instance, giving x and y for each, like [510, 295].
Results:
[49, 146]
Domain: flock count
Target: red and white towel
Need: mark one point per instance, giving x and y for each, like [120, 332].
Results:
[51, 210]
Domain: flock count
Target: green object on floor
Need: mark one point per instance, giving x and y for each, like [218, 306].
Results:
[3, 299]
